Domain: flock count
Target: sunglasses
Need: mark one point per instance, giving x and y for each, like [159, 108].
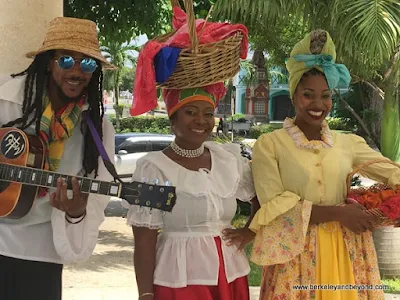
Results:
[67, 62]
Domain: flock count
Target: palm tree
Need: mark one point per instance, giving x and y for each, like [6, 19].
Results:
[119, 55]
[367, 37]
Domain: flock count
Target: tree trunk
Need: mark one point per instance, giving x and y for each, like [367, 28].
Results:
[376, 104]
[116, 92]
[372, 102]
[359, 119]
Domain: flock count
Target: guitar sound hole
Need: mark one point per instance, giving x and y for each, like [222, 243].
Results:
[3, 185]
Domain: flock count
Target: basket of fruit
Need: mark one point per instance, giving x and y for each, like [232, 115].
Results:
[379, 200]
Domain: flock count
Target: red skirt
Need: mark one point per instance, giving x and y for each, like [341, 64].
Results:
[236, 290]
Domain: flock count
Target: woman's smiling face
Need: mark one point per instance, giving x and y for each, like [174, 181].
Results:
[312, 100]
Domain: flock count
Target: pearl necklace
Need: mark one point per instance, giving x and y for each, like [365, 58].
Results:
[187, 153]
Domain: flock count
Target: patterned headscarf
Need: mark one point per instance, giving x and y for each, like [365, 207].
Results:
[302, 59]
[175, 99]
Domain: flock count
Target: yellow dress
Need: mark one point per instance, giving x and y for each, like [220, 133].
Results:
[303, 261]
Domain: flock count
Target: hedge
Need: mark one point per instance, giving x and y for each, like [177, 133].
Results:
[343, 124]
[257, 130]
[334, 124]
[144, 124]
[162, 125]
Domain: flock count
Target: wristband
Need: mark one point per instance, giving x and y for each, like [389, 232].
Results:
[80, 219]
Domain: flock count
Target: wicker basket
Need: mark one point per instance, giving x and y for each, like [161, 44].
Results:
[205, 64]
[383, 220]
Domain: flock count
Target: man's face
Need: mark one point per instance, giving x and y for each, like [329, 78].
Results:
[71, 83]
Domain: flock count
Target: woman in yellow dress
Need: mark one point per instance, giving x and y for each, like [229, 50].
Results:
[308, 241]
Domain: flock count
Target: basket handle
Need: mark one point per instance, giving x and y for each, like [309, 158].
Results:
[191, 21]
[175, 3]
[359, 167]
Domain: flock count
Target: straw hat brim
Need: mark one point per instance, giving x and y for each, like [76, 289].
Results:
[93, 53]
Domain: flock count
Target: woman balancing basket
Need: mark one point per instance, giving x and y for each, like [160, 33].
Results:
[379, 200]
[197, 53]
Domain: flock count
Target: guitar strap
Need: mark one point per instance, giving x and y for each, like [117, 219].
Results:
[106, 160]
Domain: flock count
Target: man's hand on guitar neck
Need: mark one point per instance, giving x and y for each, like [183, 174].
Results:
[74, 207]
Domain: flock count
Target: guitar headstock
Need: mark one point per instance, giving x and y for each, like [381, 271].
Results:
[162, 197]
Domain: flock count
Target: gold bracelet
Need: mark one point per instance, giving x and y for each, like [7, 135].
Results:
[146, 294]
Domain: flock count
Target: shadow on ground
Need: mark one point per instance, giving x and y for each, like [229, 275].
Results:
[115, 238]
[105, 261]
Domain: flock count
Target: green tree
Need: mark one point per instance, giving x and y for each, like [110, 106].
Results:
[367, 36]
[277, 38]
[119, 55]
[127, 78]
[123, 20]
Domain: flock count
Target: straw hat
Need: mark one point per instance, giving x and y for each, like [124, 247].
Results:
[73, 34]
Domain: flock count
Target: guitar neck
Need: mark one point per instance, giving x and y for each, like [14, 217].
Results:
[36, 177]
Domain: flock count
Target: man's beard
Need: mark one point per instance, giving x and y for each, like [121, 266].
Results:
[64, 98]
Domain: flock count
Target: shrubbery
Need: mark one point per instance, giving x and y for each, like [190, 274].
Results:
[343, 124]
[144, 124]
[257, 130]
[162, 125]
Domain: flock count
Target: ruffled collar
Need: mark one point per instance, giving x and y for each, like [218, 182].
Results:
[301, 140]
[222, 180]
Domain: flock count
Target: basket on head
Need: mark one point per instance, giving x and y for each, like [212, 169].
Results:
[203, 64]
[375, 189]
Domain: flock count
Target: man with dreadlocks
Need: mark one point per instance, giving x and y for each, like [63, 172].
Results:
[48, 100]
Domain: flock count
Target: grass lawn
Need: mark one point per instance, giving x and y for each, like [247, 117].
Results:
[394, 285]
[255, 272]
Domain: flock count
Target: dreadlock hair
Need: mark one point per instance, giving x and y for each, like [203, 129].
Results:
[35, 83]
[37, 75]
[96, 113]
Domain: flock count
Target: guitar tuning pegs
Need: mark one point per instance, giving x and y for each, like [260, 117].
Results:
[156, 181]
[167, 183]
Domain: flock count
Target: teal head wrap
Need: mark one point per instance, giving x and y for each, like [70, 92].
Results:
[301, 60]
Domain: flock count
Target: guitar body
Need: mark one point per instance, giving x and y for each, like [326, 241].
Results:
[17, 148]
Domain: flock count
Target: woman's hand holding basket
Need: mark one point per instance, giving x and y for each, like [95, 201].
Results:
[355, 218]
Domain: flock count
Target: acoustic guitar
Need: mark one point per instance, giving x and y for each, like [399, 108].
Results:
[22, 160]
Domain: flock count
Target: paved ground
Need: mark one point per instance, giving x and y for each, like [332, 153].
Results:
[109, 274]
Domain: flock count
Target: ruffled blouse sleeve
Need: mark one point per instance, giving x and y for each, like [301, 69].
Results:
[282, 221]
[144, 216]
[381, 172]
[246, 190]
[273, 197]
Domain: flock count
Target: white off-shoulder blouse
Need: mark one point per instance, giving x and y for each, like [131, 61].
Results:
[206, 204]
